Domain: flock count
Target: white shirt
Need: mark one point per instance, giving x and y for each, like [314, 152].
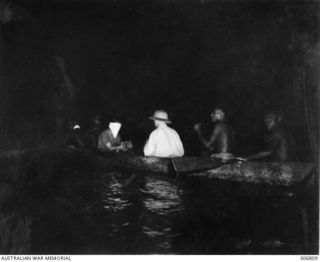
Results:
[164, 142]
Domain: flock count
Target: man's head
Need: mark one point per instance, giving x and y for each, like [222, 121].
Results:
[271, 120]
[97, 120]
[115, 127]
[217, 115]
[73, 124]
[160, 117]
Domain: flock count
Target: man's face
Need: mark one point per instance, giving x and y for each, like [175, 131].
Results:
[97, 122]
[270, 122]
[217, 115]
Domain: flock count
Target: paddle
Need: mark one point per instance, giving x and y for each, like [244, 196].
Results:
[227, 157]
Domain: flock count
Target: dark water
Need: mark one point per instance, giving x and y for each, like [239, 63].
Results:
[124, 212]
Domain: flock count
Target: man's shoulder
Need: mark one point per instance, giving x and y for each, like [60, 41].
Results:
[221, 126]
[157, 131]
[153, 132]
[163, 130]
[105, 132]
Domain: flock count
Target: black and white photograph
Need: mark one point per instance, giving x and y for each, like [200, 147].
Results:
[159, 127]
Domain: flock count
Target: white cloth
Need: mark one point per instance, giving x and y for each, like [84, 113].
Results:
[115, 128]
[164, 142]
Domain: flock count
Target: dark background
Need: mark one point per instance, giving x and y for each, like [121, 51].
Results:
[129, 58]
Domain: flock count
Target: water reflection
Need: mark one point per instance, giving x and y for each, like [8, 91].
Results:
[163, 205]
[162, 196]
[118, 204]
[121, 212]
[114, 197]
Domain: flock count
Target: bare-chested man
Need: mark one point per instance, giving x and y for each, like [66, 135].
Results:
[222, 137]
[280, 143]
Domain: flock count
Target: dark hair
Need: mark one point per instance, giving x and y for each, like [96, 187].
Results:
[218, 108]
[276, 116]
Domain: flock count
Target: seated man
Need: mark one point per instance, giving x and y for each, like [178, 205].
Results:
[163, 141]
[93, 133]
[74, 137]
[222, 136]
[280, 142]
[110, 140]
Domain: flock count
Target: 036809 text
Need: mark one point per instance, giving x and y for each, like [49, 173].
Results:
[309, 258]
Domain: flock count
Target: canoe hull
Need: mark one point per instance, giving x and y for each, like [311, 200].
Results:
[137, 163]
[194, 164]
[271, 173]
[161, 165]
[147, 164]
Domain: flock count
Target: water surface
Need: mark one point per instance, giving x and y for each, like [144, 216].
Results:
[126, 212]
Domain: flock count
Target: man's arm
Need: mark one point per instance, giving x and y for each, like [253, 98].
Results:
[215, 133]
[273, 144]
[259, 155]
[149, 147]
[119, 147]
[115, 148]
[208, 143]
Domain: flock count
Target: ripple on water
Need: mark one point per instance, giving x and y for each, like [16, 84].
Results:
[162, 202]
[162, 197]
[114, 196]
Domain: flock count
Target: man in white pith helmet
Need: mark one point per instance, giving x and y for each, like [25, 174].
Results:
[163, 141]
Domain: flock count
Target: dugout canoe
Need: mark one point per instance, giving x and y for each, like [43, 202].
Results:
[160, 165]
[270, 173]
[288, 174]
